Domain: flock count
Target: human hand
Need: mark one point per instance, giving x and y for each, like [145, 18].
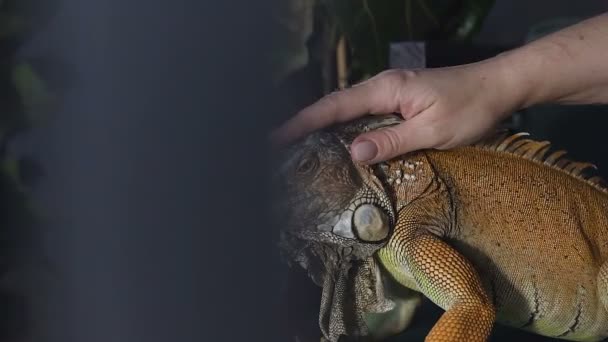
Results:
[442, 108]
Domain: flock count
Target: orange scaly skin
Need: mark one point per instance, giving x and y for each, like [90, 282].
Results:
[499, 232]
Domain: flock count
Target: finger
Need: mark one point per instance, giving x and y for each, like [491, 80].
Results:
[367, 97]
[390, 142]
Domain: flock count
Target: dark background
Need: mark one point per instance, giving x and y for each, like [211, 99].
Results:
[155, 169]
[154, 179]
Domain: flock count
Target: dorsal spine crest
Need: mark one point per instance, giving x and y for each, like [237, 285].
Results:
[521, 145]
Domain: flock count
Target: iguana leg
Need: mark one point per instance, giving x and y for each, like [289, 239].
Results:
[602, 281]
[450, 281]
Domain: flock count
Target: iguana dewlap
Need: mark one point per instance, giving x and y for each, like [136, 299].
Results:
[500, 231]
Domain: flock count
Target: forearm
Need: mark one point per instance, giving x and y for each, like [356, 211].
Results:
[452, 106]
[569, 67]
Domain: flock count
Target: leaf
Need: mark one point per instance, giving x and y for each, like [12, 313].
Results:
[370, 26]
[295, 20]
[32, 90]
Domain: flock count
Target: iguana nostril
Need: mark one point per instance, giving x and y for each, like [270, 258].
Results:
[370, 223]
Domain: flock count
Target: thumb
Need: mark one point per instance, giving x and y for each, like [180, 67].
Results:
[387, 143]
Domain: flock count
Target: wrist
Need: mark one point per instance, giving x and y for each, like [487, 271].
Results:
[565, 67]
[518, 77]
[507, 86]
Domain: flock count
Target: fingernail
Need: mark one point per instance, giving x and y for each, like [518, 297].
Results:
[364, 151]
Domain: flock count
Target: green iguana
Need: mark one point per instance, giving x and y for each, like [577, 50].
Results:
[498, 231]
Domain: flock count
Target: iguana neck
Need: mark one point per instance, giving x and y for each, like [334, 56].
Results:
[413, 177]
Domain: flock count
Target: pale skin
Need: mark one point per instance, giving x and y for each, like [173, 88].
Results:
[449, 107]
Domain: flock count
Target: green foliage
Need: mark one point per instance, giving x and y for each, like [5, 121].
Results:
[294, 21]
[33, 92]
[24, 94]
[24, 99]
[370, 26]
[19, 18]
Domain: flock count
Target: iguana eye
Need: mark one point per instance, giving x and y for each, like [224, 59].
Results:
[306, 165]
[371, 223]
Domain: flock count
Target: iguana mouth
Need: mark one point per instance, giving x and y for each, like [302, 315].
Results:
[349, 292]
[337, 314]
[348, 274]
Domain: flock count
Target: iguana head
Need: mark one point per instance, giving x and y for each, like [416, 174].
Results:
[336, 214]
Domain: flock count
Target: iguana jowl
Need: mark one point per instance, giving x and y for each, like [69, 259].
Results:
[500, 231]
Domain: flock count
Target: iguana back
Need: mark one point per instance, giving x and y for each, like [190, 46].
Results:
[534, 228]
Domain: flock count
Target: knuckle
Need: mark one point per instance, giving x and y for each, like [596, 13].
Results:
[410, 73]
[395, 80]
[390, 77]
[401, 75]
[387, 73]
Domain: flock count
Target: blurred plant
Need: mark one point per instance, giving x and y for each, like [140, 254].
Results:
[295, 21]
[368, 27]
[25, 97]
